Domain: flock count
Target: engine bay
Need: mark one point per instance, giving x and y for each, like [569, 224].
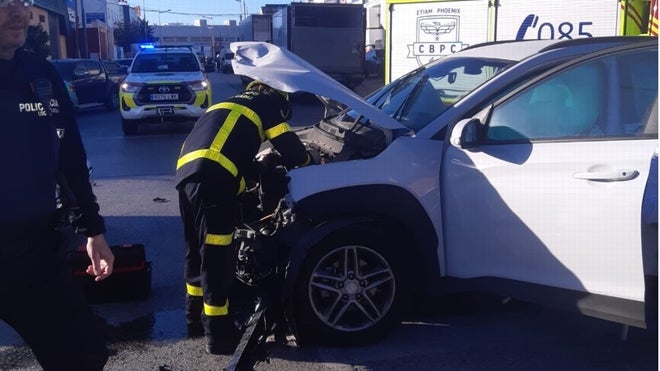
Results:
[341, 138]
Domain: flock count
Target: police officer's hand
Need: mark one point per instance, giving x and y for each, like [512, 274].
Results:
[101, 256]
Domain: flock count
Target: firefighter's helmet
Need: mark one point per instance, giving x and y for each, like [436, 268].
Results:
[258, 86]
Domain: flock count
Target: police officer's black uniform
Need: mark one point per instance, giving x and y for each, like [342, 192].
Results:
[211, 171]
[38, 297]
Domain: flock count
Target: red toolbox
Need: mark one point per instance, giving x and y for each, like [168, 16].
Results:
[130, 278]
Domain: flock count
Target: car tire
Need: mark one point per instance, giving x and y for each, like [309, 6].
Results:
[129, 127]
[112, 99]
[351, 288]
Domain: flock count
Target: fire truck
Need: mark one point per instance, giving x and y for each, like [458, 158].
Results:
[419, 31]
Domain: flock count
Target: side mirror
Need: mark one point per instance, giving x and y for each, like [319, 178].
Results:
[465, 134]
[470, 132]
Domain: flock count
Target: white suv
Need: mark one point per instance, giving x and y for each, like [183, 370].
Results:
[519, 167]
[164, 84]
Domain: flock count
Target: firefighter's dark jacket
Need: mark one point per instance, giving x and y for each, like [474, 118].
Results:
[224, 142]
[32, 151]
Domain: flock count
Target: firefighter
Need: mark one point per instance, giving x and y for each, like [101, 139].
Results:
[40, 139]
[215, 160]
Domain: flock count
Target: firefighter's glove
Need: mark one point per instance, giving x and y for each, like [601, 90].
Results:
[315, 157]
[269, 161]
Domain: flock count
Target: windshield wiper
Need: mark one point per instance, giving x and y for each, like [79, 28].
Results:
[413, 92]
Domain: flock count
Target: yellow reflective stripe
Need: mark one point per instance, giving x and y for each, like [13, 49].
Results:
[213, 153]
[250, 114]
[241, 186]
[277, 130]
[219, 239]
[211, 310]
[216, 106]
[225, 131]
[194, 290]
[210, 155]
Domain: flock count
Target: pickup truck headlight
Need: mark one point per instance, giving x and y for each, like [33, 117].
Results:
[199, 85]
[130, 87]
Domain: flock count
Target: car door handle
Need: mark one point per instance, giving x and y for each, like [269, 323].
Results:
[608, 176]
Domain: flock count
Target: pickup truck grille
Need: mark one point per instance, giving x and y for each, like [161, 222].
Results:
[164, 93]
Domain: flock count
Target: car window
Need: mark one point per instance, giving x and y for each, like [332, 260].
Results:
[389, 99]
[579, 102]
[638, 79]
[79, 70]
[111, 67]
[421, 95]
[93, 68]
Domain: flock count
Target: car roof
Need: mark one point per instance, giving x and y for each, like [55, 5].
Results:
[509, 50]
[73, 60]
[517, 50]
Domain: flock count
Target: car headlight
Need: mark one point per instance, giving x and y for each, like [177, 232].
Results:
[130, 87]
[199, 85]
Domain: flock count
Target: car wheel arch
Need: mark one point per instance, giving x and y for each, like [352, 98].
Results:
[334, 208]
[410, 223]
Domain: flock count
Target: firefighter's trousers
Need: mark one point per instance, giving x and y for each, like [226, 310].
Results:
[208, 214]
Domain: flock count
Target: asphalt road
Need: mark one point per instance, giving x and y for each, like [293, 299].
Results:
[133, 180]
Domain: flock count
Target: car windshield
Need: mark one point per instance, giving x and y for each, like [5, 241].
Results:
[418, 97]
[165, 62]
[112, 67]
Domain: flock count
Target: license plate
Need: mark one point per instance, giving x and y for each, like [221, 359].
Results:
[164, 96]
[162, 111]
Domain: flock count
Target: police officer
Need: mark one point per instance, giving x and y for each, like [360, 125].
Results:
[40, 140]
[215, 159]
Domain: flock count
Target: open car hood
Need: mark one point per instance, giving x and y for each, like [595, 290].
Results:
[286, 71]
